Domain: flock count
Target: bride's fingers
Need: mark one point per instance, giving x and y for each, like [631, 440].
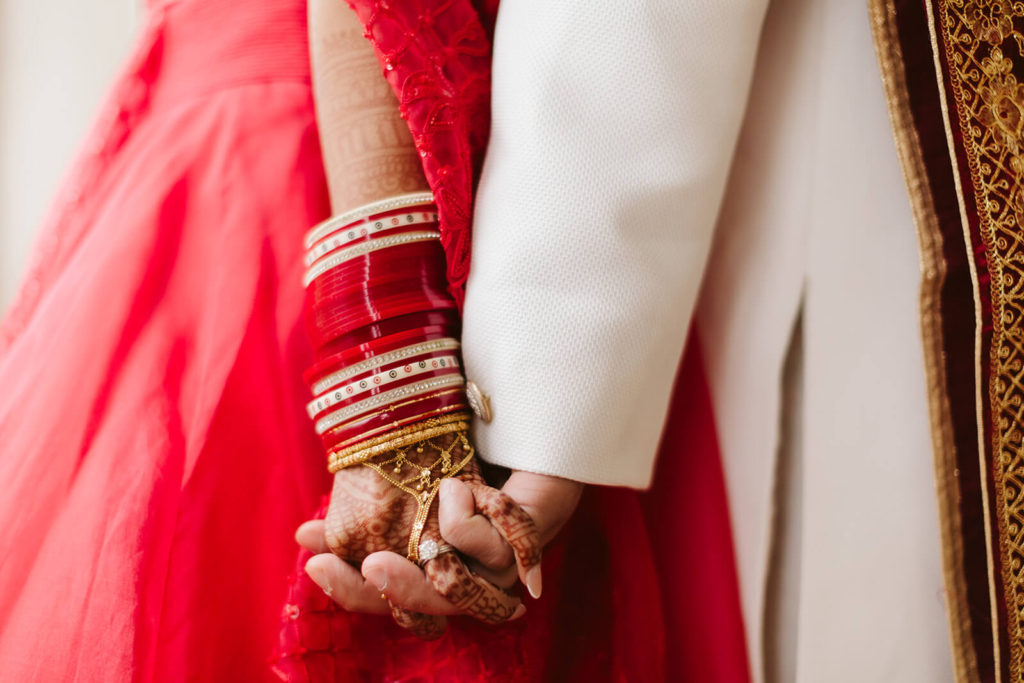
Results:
[343, 584]
[517, 527]
[470, 593]
[471, 533]
[502, 578]
[310, 535]
[404, 584]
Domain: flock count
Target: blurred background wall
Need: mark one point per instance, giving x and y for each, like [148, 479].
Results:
[57, 58]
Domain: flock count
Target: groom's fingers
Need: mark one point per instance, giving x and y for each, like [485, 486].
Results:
[310, 535]
[503, 578]
[472, 534]
[404, 584]
[343, 584]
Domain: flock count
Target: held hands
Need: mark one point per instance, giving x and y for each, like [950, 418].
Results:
[500, 533]
[549, 502]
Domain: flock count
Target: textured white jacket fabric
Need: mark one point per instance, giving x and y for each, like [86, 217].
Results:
[613, 128]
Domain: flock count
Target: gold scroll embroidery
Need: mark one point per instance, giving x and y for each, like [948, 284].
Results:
[933, 274]
[981, 39]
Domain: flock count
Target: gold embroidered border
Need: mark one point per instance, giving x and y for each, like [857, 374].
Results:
[990, 107]
[933, 274]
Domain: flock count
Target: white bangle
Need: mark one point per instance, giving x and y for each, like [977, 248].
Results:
[328, 226]
[364, 229]
[377, 400]
[333, 261]
[381, 379]
[336, 378]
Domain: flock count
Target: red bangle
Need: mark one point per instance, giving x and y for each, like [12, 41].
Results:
[336, 306]
[403, 258]
[335, 294]
[373, 346]
[446, 319]
[383, 246]
[377, 307]
[370, 272]
[326, 328]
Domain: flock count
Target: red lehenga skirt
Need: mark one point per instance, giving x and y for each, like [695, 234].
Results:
[155, 458]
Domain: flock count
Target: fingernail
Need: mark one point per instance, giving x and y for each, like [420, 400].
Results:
[533, 582]
[377, 578]
[520, 611]
[319, 577]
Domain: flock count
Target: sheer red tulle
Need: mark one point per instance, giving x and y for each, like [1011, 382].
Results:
[156, 456]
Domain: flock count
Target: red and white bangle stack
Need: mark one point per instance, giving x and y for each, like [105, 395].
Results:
[384, 330]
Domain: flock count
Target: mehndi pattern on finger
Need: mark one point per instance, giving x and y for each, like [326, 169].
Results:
[512, 522]
[423, 626]
[470, 593]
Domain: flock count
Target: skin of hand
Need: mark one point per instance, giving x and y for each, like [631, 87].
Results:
[550, 501]
[369, 521]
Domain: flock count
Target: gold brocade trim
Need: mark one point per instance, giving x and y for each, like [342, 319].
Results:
[989, 103]
[933, 274]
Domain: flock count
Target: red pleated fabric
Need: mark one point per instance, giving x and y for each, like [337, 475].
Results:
[155, 456]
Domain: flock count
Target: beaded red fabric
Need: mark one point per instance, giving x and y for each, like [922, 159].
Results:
[437, 58]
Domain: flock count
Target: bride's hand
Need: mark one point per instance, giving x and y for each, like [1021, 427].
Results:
[369, 521]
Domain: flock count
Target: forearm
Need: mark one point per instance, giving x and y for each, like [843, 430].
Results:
[388, 404]
[367, 149]
[378, 316]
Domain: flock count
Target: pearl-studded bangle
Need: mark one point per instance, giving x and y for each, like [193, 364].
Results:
[377, 400]
[361, 213]
[386, 377]
[383, 326]
[343, 255]
[371, 226]
[373, 362]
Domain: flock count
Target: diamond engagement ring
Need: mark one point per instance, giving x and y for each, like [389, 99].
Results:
[428, 550]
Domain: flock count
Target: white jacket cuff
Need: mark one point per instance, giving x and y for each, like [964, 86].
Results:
[613, 128]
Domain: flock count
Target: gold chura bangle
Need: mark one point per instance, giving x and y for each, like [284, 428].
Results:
[405, 422]
[428, 429]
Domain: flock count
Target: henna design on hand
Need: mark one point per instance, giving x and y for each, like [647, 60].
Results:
[368, 514]
[511, 521]
[423, 626]
[467, 591]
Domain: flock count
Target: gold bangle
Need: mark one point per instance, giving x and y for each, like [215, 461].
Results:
[423, 431]
[399, 424]
[396, 439]
[416, 435]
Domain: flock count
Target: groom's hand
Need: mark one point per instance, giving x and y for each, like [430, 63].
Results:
[550, 501]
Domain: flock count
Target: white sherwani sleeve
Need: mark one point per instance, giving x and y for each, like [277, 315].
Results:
[613, 129]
